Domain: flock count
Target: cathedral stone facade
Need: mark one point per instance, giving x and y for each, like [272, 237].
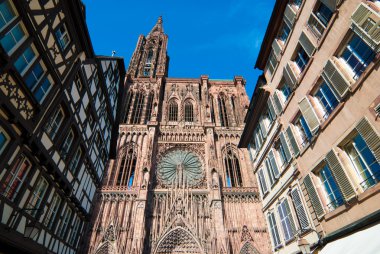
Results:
[179, 184]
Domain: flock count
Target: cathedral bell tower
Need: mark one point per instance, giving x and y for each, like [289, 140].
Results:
[150, 58]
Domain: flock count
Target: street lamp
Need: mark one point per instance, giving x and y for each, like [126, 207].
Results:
[31, 230]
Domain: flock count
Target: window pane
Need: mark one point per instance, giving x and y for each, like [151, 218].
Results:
[324, 14]
[12, 38]
[301, 59]
[40, 93]
[332, 191]
[327, 99]
[22, 62]
[34, 76]
[364, 162]
[357, 55]
[6, 14]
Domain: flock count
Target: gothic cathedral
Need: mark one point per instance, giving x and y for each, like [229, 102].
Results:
[179, 184]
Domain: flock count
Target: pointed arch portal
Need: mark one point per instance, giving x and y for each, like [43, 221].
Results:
[178, 241]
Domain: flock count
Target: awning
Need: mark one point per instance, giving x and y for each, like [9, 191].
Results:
[366, 241]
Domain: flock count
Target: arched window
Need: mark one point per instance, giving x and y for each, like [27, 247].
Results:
[222, 112]
[189, 112]
[148, 113]
[212, 110]
[127, 166]
[128, 105]
[149, 58]
[137, 108]
[234, 109]
[232, 169]
[148, 63]
[173, 111]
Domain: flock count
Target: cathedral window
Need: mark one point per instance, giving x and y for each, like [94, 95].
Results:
[137, 108]
[189, 112]
[173, 111]
[149, 58]
[148, 113]
[222, 112]
[232, 169]
[128, 105]
[127, 166]
[234, 108]
[212, 110]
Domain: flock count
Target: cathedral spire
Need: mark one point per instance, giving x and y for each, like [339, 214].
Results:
[157, 29]
[150, 57]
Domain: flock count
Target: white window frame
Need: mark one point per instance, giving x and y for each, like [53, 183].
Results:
[14, 12]
[18, 43]
[51, 133]
[52, 210]
[67, 143]
[7, 139]
[61, 230]
[15, 176]
[37, 196]
[63, 46]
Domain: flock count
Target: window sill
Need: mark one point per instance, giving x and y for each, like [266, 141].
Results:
[365, 74]
[369, 192]
[332, 115]
[290, 241]
[339, 210]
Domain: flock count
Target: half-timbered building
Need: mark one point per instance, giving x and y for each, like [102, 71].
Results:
[58, 109]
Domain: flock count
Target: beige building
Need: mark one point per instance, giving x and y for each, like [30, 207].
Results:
[313, 129]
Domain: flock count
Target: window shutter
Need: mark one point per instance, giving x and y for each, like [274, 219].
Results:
[335, 77]
[371, 35]
[314, 198]
[271, 107]
[309, 114]
[300, 209]
[263, 127]
[288, 211]
[276, 48]
[263, 183]
[306, 44]
[272, 161]
[340, 176]
[285, 146]
[370, 137]
[290, 76]
[289, 15]
[292, 141]
[331, 4]
[277, 102]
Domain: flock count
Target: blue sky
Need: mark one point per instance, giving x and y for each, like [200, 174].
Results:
[218, 38]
